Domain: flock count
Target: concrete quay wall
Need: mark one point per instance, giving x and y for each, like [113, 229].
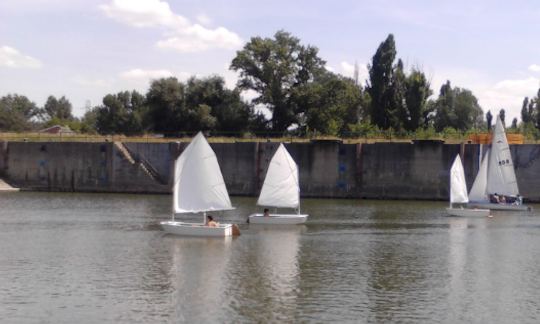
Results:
[328, 169]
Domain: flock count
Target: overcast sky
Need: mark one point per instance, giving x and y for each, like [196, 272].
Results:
[84, 49]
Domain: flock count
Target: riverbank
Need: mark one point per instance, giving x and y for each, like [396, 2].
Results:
[328, 168]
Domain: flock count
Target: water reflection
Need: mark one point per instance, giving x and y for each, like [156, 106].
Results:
[198, 276]
[265, 286]
[103, 259]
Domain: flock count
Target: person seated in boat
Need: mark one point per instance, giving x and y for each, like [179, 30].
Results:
[266, 212]
[210, 222]
[494, 198]
[502, 199]
[511, 200]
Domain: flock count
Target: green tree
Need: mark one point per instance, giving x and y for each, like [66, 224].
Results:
[173, 107]
[334, 102]
[489, 119]
[122, 113]
[17, 113]
[165, 100]
[416, 98]
[89, 121]
[226, 106]
[532, 112]
[457, 108]
[275, 68]
[525, 116]
[59, 109]
[379, 87]
[535, 109]
[400, 116]
[514, 123]
[502, 114]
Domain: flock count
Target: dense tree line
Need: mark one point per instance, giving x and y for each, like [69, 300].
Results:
[291, 81]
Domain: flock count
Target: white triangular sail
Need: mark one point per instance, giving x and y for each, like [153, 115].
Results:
[458, 186]
[479, 188]
[501, 175]
[281, 187]
[198, 182]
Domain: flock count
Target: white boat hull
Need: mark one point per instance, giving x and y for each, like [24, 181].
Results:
[493, 206]
[189, 229]
[278, 219]
[468, 212]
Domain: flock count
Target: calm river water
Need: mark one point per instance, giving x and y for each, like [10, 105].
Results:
[95, 258]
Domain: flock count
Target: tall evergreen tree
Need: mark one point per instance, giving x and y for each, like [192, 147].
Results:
[514, 123]
[502, 114]
[489, 119]
[381, 71]
[399, 113]
[417, 93]
[525, 116]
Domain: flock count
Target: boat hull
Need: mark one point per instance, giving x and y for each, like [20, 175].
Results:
[468, 212]
[189, 229]
[278, 219]
[493, 206]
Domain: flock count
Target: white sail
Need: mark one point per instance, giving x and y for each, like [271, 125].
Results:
[458, 186]
[501, 175]
[281, 187]
[198, 182]
[479, 188]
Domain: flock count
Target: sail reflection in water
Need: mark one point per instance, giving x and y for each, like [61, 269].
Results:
[266, 288]
[198, 276]
[92, 258]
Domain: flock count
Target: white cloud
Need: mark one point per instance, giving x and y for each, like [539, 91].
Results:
[12, 58]
[329, 68]
[140, 74]
[347, 69]
[520, 87]
[143, 13]
[534, 67]
[508, 94]
[182, 35]
[197, 38]
[204, 19]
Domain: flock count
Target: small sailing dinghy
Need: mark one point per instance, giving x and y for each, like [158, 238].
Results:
[458, 193]
[198, 188]
[495, 186]
[280, 189]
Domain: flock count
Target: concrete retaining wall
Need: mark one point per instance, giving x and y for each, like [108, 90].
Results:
[327, 168]
[3, 157]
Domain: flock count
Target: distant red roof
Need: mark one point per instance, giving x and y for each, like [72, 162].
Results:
[57, 129]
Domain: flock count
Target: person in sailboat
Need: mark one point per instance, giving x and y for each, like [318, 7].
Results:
[210, 222]
[266, 212]
[494, 198]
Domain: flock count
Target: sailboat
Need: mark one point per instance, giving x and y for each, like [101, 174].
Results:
[458, 193]
[496, 177]
[198, 188]
[280, 189]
